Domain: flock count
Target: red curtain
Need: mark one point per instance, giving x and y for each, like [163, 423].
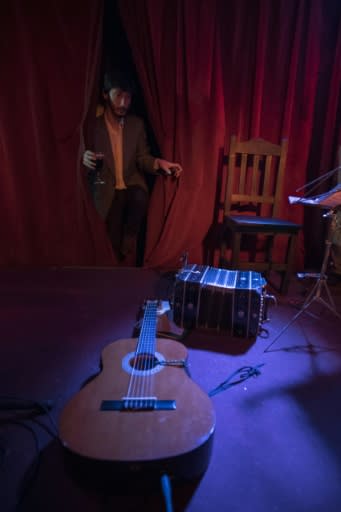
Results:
[273, 51]
[176, 51]
[49, 54]
[208, 69]
[270, 55]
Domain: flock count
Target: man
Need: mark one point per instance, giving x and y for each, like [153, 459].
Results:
[121, 196]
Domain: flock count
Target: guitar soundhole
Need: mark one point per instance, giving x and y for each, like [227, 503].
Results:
[139, 364]
[144, 362]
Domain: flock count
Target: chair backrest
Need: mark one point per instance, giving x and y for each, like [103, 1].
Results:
[255, 172]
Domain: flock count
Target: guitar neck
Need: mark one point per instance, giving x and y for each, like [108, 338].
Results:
[146, 339]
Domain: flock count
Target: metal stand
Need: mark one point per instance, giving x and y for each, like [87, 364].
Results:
[320, 285]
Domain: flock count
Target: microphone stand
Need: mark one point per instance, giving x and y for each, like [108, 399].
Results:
[321, 285]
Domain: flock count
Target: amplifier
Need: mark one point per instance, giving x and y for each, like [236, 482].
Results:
[231, 301]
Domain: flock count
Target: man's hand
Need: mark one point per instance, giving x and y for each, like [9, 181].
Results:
[89, 159]
[169, 168]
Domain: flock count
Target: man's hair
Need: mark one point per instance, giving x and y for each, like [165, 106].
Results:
[117, 79]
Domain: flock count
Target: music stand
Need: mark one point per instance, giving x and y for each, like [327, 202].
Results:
[332, 202]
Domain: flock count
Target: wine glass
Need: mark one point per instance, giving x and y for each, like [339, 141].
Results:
[99, 166]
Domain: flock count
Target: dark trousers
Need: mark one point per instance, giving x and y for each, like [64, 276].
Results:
[127, 212]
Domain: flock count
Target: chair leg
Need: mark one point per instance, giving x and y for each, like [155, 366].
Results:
[269, 242]
[222, 252]
[236, 243]
[269, 247]
[284, 283]
[289, 264]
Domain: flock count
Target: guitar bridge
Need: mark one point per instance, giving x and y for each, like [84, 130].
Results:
[180, 363]
[138, 404]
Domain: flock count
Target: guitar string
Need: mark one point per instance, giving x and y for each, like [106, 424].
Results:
[142, 377]
[138, 383]
[133, 377]
[149, 359]
[133, 384]
[149, 334]
[142, 342]
[153, 348]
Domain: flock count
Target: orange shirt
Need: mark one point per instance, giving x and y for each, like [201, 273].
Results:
[115, 131]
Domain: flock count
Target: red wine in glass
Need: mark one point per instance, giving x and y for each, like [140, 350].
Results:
[99, 166]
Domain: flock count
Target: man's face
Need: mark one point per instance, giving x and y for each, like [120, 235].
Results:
[119, 101]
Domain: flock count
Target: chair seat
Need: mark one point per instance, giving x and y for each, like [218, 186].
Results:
[250, 223]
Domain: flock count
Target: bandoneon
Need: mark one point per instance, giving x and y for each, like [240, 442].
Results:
[225, 300]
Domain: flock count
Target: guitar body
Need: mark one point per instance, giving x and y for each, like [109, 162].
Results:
[176, 440]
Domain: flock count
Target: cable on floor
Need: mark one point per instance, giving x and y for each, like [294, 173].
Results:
[167, 492]
[237, 377]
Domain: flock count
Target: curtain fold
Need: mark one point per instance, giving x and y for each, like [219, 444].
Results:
[176, 52]
[210, 70]
[49, 53]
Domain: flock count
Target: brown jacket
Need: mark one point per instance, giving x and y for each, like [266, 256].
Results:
[136, 160]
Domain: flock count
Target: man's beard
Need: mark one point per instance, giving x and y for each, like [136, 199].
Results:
[117, 111]
[120, 112]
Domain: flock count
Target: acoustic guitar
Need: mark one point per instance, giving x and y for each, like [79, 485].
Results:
[142, 411]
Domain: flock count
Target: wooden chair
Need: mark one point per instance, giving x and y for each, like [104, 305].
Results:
[254, 183]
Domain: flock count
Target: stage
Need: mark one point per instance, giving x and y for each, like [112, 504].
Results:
[276, 445]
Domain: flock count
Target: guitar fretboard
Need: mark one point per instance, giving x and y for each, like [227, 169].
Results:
[146, 339]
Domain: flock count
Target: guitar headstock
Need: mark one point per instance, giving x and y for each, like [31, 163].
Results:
[162, 305]
[165, 325]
